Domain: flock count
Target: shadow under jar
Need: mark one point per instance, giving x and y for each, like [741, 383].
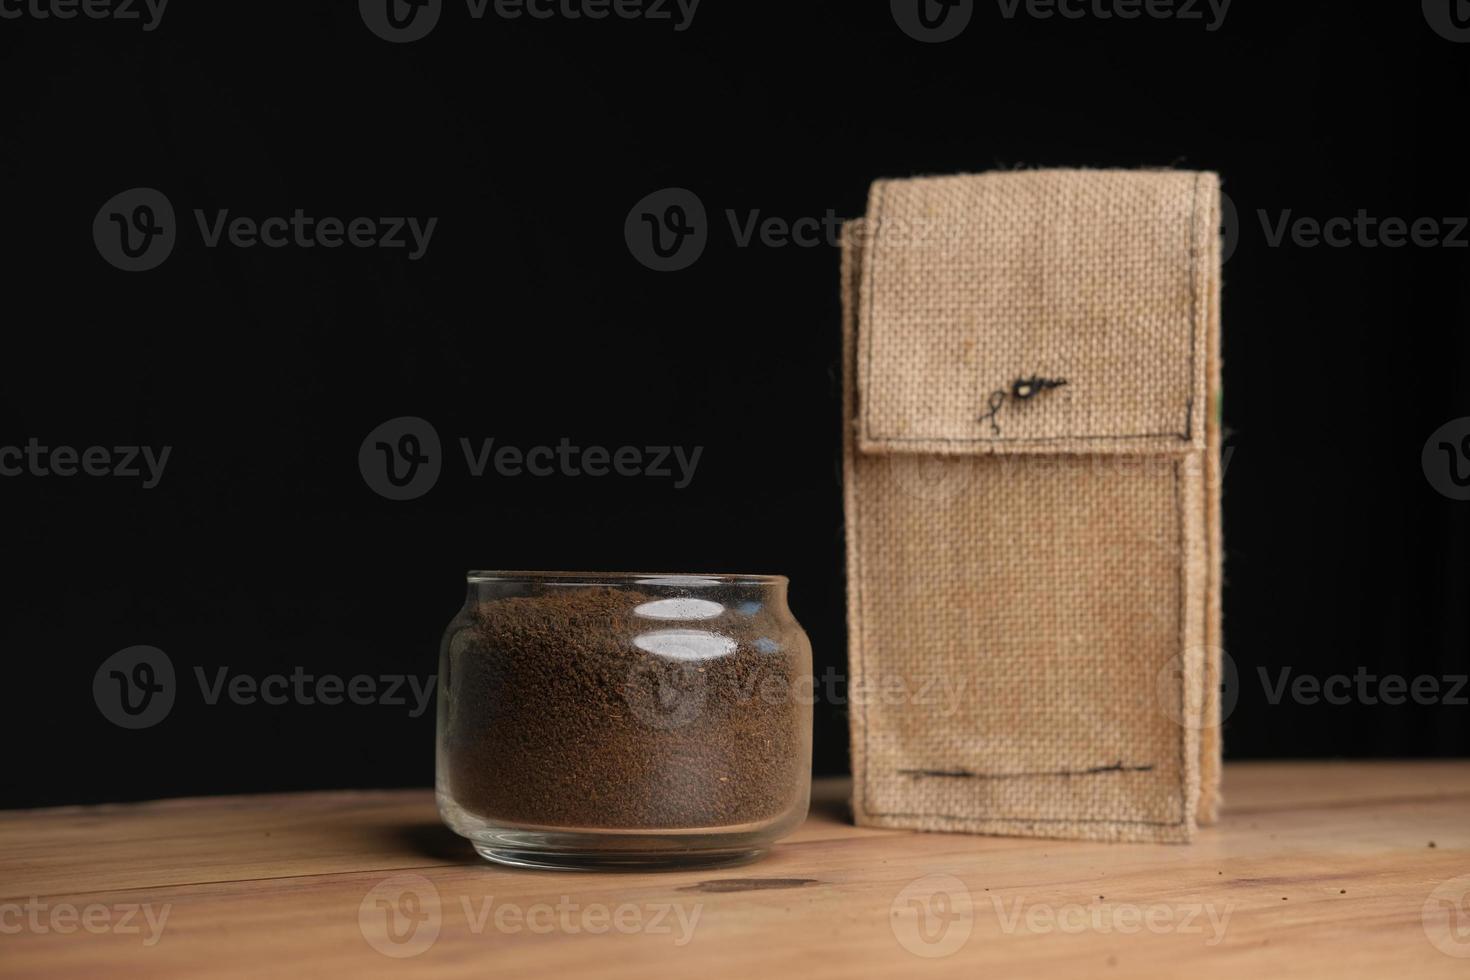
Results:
[623, 720]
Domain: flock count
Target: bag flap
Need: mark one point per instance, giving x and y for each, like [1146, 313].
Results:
[1044, 311]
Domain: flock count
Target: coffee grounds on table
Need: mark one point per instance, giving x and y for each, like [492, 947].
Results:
[557, 718]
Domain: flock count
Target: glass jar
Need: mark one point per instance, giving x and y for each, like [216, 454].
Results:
[623, 720]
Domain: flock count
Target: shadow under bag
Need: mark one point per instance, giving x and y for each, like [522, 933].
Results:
[1032, 479]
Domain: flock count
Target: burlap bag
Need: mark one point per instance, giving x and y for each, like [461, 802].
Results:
[1033, 527]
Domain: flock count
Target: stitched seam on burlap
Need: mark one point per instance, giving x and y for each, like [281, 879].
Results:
[870, 262]
[1184, 802]
[985, 820]
[857, 496]
[1134, 435]
[1194, 319]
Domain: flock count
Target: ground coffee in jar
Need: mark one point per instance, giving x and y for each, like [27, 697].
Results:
[582, 715]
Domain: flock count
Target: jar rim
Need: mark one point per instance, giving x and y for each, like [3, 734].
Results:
[680, 579]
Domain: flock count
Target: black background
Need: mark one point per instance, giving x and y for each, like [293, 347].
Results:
[528, 320]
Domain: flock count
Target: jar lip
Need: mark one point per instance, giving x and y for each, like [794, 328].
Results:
[679, 579]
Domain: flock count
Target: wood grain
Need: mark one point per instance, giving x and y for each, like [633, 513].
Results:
[1314, 870]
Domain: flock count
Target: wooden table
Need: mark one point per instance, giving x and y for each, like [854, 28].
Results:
[1316, 870]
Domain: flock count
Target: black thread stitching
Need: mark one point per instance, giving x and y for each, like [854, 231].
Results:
[1181, 626]
[1116, 767]
[1022, 389]
[997, 399]
[975, 820]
